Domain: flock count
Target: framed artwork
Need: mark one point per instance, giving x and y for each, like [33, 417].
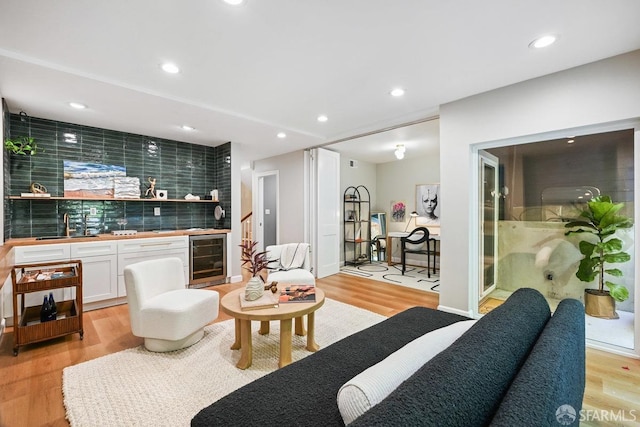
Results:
[398, 211]
[91, 180]
[427, 204]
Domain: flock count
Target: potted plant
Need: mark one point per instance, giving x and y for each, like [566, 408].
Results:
[599, 248]
[254, 262]
[22, 146]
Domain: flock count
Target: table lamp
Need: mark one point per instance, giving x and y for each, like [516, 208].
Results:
[413, 215]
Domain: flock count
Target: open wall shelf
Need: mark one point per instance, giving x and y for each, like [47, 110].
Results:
[110, 199]
[357, 225]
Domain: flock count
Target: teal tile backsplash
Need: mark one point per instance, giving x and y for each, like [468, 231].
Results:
[179, 168]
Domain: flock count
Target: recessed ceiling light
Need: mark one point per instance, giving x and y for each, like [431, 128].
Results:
[322, 118]
[187, 127]
[281, 135]
[397, 92]
[571, 141]
[234, 2]
[170, 68]
[77, 105]
[543, 41]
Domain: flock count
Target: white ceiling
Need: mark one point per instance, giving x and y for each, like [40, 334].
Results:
[420, 139]
[268, 66]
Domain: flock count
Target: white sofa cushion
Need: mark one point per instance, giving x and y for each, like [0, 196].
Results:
[298, 276]
[374, 384]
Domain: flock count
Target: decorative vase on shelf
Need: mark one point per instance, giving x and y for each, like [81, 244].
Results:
[254, 289]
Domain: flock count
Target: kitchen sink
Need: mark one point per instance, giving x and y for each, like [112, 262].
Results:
[66, 237]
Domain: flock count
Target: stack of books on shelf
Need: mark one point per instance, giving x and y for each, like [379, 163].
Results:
[297, 293]
[267, 300]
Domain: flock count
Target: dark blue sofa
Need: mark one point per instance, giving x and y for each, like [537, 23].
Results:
[515, 367]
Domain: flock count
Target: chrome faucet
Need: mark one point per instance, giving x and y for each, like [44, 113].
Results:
[65, 219]
[86, 224]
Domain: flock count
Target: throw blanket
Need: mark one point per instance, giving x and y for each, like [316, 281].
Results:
[293, 255]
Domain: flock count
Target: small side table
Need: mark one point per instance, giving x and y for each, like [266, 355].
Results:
[230, 304]
[28, 278]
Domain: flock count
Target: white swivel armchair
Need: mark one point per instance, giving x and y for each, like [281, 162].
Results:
[162, 310]
[293, 264]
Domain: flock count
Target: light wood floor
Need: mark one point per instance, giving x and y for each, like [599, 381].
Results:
[31, 383]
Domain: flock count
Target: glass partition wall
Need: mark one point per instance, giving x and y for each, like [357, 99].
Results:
[527, 193]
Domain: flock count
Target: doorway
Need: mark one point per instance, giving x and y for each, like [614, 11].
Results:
[267, 201]
[540, 187]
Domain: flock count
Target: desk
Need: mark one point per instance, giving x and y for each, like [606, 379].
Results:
[398, 234]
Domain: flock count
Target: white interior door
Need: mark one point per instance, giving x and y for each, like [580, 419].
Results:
[325, 208]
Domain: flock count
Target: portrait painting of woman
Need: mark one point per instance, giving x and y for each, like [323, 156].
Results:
[427, 197]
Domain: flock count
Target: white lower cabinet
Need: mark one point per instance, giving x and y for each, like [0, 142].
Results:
[99, 272]
[137, 250]
[103, 264]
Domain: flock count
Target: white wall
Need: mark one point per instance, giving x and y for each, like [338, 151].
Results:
[234, 267]
[291, 193]
[364, 174]
[396, 181]
[601, 92]
[245, 191]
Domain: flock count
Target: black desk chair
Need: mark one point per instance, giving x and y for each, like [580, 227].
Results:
[417, 242]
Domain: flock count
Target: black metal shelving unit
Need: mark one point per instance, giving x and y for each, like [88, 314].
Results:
[357, 225]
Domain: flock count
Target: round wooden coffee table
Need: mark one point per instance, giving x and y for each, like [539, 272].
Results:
[285, 312]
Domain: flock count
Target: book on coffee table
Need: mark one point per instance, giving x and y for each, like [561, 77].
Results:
[267, 300]
[298, 293]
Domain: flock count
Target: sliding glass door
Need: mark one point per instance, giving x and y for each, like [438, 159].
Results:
[488, 222]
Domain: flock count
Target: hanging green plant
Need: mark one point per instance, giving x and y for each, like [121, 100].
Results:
[23, 146]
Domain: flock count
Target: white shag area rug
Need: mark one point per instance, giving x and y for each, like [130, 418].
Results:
[414, 277]
[136, 387]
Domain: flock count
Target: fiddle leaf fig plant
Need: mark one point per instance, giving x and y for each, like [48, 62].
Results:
[23, 146]
[601, 221]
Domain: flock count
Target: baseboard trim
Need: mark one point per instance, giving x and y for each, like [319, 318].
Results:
[621, 351]
[235, 279]
[455, 311]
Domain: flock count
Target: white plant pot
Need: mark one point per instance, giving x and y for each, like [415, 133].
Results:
[254, 289]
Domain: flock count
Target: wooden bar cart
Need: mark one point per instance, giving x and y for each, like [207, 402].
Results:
[28, 278]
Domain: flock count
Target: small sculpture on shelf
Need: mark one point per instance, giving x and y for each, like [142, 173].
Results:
[37, 188]
[151, 191]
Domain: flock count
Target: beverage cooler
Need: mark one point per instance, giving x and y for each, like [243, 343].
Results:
[207, 260]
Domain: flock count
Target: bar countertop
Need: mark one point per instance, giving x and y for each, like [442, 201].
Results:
[28, 241]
